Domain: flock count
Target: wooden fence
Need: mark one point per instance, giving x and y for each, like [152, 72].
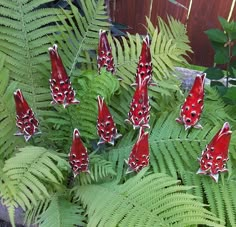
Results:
[199, 16]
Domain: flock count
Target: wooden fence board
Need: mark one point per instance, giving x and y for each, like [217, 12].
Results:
[131, 13]
[203, 16]
[164, 8]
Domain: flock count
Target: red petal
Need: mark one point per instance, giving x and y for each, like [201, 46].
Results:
[144, 68]
[139, 156]
[215, 156]
[106, 127]
[60, 85]
[193, 105]
[25, 119]
[58, 70]
[21, 104]
[105, 58]
[78, 156]
[139, 113]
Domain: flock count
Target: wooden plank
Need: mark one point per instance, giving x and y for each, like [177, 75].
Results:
[164, 8]
[204, 16]
[131, 13]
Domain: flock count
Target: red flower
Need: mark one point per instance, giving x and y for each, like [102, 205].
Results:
[25, 119]
[139, 156]
[105, 58]
[60, 85]
[192, 108]
[106, 126]
[78, 156]
[144, 68]
[139, 113]
[214, 157]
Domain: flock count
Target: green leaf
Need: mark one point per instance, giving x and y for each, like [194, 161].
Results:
[216, 35]
[221, 56]
[232, 35]
[62, 213]
[232, 69]
[224, 23]
[144, 200]
[220, 87]
[85, 116]
[100, 169]
[30, 173]
[79, 34]
[231, 94]
[229, 27]
[214, 73]
[8, 142]
[234, 51]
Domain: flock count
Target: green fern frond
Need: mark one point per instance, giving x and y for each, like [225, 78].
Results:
[120, 105]
[82, 116]
[25, 30]
[220, 197]
[120, 153]
[125, 57]
[173, 149]
[175, 31]
[167, 47]
[214, 108]
[100, 170]
[27, 175]
[25, 27]
[6, 191]
[61, 213]
[166, 53]
[57, 129]
[91, 86]
[8, 141]
[32, 214]
[144, 200]
[79, 34]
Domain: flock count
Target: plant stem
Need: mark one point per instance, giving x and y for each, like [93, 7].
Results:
[150, 10]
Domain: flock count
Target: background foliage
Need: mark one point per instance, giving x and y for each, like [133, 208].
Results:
[35, 175]
[223, 43]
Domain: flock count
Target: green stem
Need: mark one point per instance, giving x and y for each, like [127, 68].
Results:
[150, 9]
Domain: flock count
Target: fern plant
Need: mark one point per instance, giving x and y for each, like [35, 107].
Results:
[170, 207]
[36, 176]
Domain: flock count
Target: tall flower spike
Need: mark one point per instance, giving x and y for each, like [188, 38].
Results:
[60, 85]
[105, 58]
[25, 119]
[139, 113]
[78, 156]
[192, 108]
[214, 157]
[144, 68]
[106, 126]
[139, 156]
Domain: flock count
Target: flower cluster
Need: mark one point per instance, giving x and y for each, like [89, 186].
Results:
[214, 157]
